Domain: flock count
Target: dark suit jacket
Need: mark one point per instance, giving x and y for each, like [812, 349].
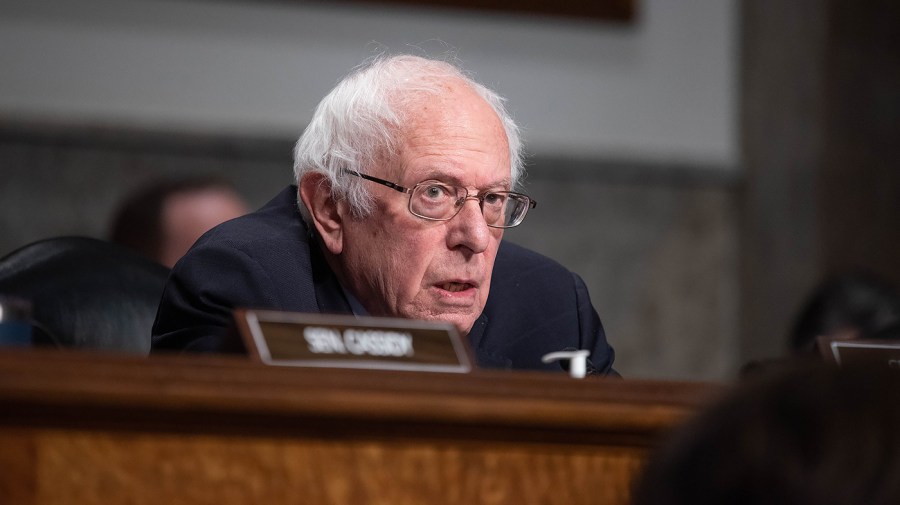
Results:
[268, 260]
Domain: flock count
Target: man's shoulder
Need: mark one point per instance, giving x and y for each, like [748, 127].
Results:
[522, 273]
[261, 259]
[513, 259]
[274, 236]
[278, 220]
[537, 306]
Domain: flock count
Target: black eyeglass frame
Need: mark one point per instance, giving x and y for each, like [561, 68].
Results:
[409, 191]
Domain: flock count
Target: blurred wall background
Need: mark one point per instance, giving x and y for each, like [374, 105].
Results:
[649, 141]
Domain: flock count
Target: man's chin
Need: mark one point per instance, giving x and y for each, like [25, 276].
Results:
[463, 321]
[463, 327]
[462, 324]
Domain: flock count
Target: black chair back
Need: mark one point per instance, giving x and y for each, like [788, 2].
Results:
[85, 293]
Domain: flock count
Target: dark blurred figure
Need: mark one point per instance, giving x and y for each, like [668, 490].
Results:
[164, 219]
[805, 434]
[847, 306]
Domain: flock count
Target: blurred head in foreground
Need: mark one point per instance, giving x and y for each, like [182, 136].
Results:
[809, 434]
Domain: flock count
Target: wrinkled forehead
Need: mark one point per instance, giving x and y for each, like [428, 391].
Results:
[456, 121]
[445, 99]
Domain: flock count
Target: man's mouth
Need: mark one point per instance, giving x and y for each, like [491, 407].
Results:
[455, 287]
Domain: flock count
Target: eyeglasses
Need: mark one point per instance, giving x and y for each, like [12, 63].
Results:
[436, 201]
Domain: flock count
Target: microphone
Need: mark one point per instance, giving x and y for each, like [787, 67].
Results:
[574, 361]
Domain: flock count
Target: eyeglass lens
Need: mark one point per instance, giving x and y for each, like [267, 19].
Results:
[433, 200]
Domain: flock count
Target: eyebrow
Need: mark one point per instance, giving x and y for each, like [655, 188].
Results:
[435, 175]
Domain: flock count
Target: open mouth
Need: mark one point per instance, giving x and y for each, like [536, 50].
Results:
[455, 287]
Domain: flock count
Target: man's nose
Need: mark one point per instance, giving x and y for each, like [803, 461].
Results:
[469, 228]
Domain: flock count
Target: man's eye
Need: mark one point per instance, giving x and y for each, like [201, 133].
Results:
[436, 192]
[495, 198]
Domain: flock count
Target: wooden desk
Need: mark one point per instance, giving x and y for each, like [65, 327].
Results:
[85, 428]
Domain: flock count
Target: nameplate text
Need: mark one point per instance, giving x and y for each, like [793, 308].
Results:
[343, 341]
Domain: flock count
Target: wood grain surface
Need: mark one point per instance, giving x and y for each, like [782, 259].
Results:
[80, 428]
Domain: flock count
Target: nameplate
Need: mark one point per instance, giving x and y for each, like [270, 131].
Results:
[865, 352]
[340, 341]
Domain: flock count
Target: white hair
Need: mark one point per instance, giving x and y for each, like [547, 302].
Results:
[359, 123]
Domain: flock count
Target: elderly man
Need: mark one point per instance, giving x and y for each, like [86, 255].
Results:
[404, 179]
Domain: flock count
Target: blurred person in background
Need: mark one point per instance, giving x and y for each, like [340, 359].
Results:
[847, 306]
[162, 220]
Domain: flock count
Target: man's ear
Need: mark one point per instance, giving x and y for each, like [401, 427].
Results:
[315, 191]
